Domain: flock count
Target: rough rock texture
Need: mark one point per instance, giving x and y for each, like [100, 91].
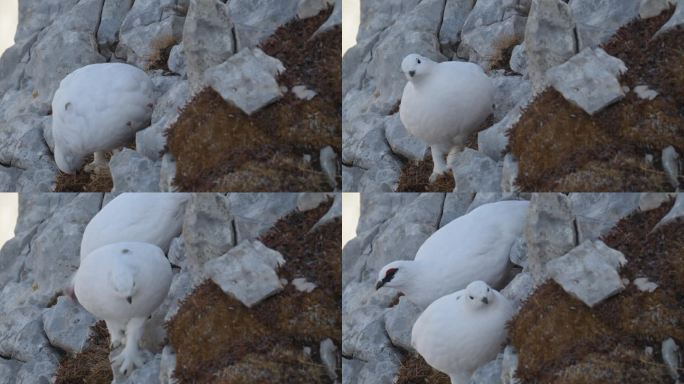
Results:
[589, 79]
[376, 325]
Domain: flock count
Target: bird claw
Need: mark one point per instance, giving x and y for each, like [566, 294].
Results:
[98, 169]
[434, 176]
[127, 360]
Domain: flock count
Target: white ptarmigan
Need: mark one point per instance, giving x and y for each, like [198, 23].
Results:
[443, 103]
[122, 284]
[475, 246]
[98, 108]
[154, 218]
[460, 332]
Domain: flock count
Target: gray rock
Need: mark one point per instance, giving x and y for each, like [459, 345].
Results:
[8, 371]
[8, 178]
[40, 369]
[207, 39]
[207, 230]
[549, 38]
[247, 272]
[378, 16]
[310, 8]
[644, 285]
[494, 140]
[307, 201]
[334, 20]
[455, 205]
[148, 29]
[509, 173]
[399, 322]
[402, 142]
[645, 93]
[489, 373]
[176, 61]
[67, 325]
[113, 14]
[589, 79]
[59, 234]
[672, 358]
[653, 200]
[549, 231]
[381, 371]
[22, 144]
[181, 286]
[518, 253]
[518, 61]
[329, 164]
[167, 173]
[509, 365]
[597, 213]
[246, 80]
[455, 14]
[256, 20]
[675, 21]
[597, 21]
[177, 251]
[670, 159]
[167, 366]
[482, 198]
[475, 172]
[364, 336]
[485, 44]
[22, 334]
[254, 214]
[151, 141]
[651, 8]
[35, 16]
[133, 172]
[589, 272]
[364, 143]
[350, 370]
[519, 289]
[148, 373]
[333, 213]
[36, 180]
[510, 90]
[676, 211]
[330, 357]
[351, 177]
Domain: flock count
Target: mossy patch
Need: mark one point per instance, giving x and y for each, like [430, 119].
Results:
[219, 340]
[561, 148]
[83, 181]
[414, 370]
[92, 365]
[561, 340]
[220, 148]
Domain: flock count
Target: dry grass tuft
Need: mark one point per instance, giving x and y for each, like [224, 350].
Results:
[91, 366]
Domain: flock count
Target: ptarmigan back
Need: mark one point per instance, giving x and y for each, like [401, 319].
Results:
[443, 103]
[460, 332]
[97, 108]
[154, 218]
[475, 246]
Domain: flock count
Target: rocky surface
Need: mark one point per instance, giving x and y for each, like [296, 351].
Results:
[377, 326]
[41, 325]
[174, 41]
[519, 43]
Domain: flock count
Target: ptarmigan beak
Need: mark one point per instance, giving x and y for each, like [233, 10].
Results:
[485, 300]
[379, 285]
[129, 299]
[412, 73]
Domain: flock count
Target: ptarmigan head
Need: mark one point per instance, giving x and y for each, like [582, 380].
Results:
[122, 280]
[68, 162]
[478, 294]
[416, 66]
[393, 275]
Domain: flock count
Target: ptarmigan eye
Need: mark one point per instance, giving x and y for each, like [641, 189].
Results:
[418, 60]
[470, 297]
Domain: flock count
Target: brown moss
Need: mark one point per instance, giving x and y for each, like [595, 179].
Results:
[91, 366]
[83, 181]
[414, 370]
[561, 340]
[220, 148]
[504, 49]
[561, 148]
[415, 177]
[218, 340]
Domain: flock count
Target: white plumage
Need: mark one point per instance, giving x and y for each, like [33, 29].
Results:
[475, 246]
[462, 331]
[123, 283]
[443, 103]
[97, 108]
[154, 218]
